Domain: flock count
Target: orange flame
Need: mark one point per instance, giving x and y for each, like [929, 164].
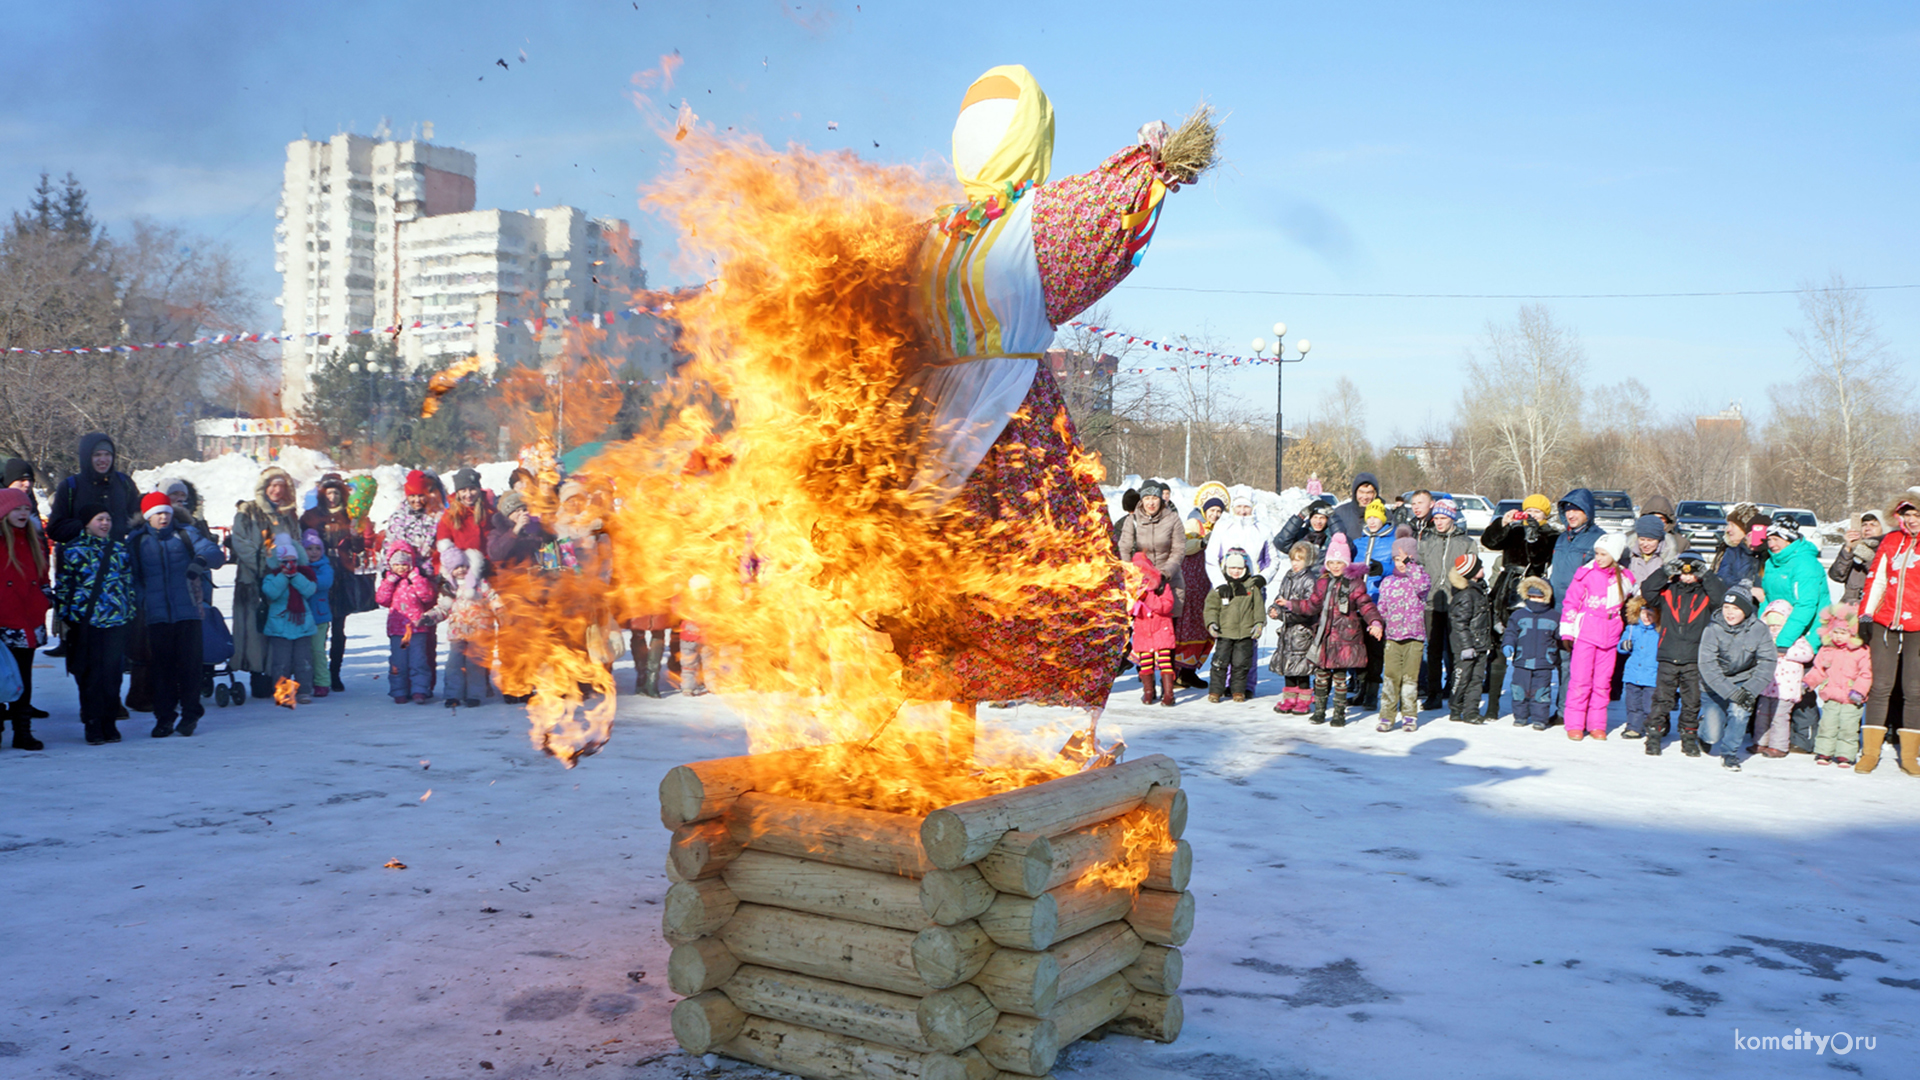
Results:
[443, 383]
[1144, 835]
[779, 469]
[286, 692]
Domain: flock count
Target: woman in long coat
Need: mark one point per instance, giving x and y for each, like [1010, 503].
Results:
[273, 510]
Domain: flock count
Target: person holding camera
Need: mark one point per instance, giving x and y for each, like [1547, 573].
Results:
[1525, 540]
[171, 564]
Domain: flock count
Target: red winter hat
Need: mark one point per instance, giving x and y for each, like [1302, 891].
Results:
[418, 484]
[1466, 565]
[155, 500]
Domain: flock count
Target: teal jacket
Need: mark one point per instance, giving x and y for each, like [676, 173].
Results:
[1796, 576]
[74, 598]
[278, 589]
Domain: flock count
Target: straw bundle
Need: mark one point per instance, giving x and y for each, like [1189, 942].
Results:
[1194, 146]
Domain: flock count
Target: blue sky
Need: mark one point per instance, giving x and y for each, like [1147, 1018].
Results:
[1415, 148]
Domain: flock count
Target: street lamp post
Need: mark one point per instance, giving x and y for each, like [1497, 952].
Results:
[1280, 396]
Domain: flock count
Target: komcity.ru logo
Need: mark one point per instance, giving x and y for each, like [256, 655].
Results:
[1839, 1042]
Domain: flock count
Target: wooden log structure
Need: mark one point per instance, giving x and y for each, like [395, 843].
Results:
[841, 835]
[972, 944]
[961, 834]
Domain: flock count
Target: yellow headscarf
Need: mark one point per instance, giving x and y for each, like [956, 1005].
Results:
[1025, 152]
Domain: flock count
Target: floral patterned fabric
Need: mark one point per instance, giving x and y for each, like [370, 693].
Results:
[1090, 229]
[1194, 644]
[1063, 647]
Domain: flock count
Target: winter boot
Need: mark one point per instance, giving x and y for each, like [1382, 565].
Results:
[1190, 678]
[1337, 709]
[1166, 687]
[23, 734]
[656, 652]
[1317, 709]
[1909, 751]
[1870, 740]
[335, 684]
[1148, 692]
[1690, 740]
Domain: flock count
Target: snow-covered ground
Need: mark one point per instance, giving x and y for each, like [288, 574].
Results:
[1462, 901]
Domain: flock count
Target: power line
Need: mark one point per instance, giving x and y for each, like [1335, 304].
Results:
[1499, 296]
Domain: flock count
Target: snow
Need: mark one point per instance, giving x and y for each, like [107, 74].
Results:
[1460, 901]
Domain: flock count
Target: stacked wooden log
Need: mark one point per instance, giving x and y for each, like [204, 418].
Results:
[841, 943]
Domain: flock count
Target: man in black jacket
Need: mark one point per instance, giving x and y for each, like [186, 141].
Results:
[1525, 540]
[1350, 517]
[96, 482]
[1686, 594]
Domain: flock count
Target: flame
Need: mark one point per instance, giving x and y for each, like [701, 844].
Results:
[443, 383]
[285, 692]
[778, 466]
[1144, 835]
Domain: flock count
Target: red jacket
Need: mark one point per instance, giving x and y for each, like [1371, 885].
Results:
[23, 606]
[1893, 583]
[1152, 610]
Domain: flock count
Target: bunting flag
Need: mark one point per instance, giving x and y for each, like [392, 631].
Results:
[1221, 359]
[536, 327]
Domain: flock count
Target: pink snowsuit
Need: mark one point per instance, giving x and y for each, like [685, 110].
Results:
[409, 600]
[1591, 615]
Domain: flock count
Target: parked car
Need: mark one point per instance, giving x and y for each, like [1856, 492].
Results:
[1476, 512]
[1701, 521]
[1613, 511]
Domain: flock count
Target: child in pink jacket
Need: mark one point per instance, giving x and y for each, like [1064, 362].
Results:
[1592, 617]
[409, 597]
[1153, 637]
[1841, 675]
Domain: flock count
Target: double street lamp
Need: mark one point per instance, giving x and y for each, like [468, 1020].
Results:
[1279, 424]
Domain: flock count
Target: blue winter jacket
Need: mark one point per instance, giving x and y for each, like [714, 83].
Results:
[1371, 550]
[162, 560]
[280, 623]
[1739, 566]
[76, 600]
[1574, 549]
[1532, 640]
[1641, 644]
[322, 605]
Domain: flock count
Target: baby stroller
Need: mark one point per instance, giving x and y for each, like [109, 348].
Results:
[216, 658]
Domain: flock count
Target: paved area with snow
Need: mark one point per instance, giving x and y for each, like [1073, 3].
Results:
[1460, 901]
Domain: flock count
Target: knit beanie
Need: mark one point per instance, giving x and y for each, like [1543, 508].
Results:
[1650, 526]
[312, 538]
[90, 510]
[1741, 599]
[1376, 509]
[1447, 508]
[1744, 516]
[283, 548]
[1153, 489]
[1237, 556]
[465, 480]
[1338, 550]
[12, 499]
[1467, 565]
[1538, 502]
[14, 470]
[1614, 544]
[512, 501]
[1406, 548]
[418, 484]
[1780, 608]
[1214, 503]
[453, 559]
[1784, 527]
[155, 500]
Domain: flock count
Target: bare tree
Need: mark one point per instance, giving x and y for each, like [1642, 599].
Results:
[1840, 425]
[1523, 393]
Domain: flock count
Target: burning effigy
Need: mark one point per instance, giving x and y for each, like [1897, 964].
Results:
[872, 476]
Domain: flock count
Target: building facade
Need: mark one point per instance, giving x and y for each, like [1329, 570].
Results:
[377, 233]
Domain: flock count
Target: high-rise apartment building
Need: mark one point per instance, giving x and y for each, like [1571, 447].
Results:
[377, 234]
[342, 204]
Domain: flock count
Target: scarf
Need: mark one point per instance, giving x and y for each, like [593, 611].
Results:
[297, 604]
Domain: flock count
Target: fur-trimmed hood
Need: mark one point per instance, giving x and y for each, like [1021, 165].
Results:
[1840, 625]
[267, 476]
[1536, 589]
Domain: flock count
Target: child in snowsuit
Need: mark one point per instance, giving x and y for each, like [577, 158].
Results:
[1152, 612]
[1236, 614]
[1403, 608]
[1532, 648]
[289, 632]
[1344, 619]
[1640, 644]
[1736, 660]
[471, 619]
[1772, 718]
[1686, 594]
[1841, 675]
[1591, 616]
[1373, 552]
[409, 597]
[1292, 658]
[1470, 622]
[322, 604]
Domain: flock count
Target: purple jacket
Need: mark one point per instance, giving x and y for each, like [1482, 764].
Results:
[1403, 603]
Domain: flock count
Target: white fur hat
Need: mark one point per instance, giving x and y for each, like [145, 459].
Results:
[1614, 544]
